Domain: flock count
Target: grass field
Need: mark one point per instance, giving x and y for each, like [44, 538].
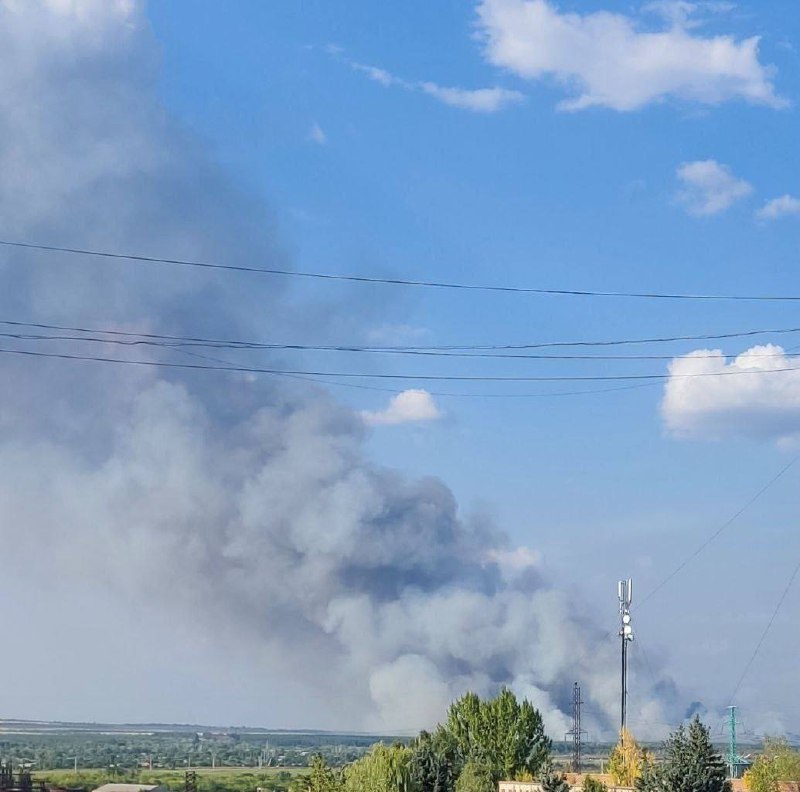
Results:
[209, 779]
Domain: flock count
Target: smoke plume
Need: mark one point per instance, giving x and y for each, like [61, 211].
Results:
[227, 499]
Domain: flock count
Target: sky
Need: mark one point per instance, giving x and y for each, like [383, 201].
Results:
[194, 544]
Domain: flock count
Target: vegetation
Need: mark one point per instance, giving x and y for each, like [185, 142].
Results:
[383, 769]
[690, 764]
[777, 762]
[553, 781]
[244, 780]
[322, 778]
[127, 753]
[627, 761]
[480, 742]
[592, 784]
[504, 735]
[475, 777]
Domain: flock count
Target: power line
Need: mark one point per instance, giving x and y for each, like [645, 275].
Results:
[313, 376]
[135, 339]
[396, 281]
[443, 348]
[420, 377]
[764, 634]
[719, 530]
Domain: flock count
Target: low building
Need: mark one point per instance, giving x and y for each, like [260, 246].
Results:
[130, 788]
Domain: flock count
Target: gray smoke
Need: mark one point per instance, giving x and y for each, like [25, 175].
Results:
[231, 500]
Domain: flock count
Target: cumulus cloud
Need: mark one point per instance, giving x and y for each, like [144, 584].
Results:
[785, 206]
[608, 60]
[755, 403]
[410, 406]
[709, 188]
[477, 100]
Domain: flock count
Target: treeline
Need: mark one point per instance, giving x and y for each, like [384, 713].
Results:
[485, 741]
[123, 753]
[480, 743]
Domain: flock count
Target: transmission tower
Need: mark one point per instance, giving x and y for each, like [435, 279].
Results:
[735, 762]
[576, 732]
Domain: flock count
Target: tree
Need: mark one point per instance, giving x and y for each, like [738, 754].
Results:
[322, 778]
[777, 762]
[690, 765]
[502, 734]
[435, 762]
[552, 781]
[383, 769]
[627, 761]
[592, 784]
[475, 777]
[762, 776]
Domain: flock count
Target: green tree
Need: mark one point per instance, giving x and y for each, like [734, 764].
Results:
[322, 778]
[502, 734]
[592, 784]
[383, 769]
[690, 764]
[435, 762]
[475, 777]
[553, 781]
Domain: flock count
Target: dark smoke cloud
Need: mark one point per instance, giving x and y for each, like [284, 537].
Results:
[232, 501]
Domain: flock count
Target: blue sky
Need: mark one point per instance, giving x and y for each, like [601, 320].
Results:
[354, 129]
[405, 185]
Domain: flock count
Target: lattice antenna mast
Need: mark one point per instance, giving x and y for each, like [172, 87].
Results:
[625, 593]
[576, 732]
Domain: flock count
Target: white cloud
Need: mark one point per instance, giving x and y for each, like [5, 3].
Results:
[482, 100]
[779, 207]
[478, 100]
[380, 76]
[607, 60]
[709, 188]
[317, 135]
[683, 13]
[410, 406]
[760, 405]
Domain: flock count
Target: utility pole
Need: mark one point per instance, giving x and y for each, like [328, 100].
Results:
[576, 732]
[733, 752]
[625, 593]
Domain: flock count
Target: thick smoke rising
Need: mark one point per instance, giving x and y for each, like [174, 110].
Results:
[247, 501]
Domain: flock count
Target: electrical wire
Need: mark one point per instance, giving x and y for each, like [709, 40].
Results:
[719, 531]
[420, 377]
[764, 634]
[358, 347]
[133, 339]
[395, 281]
[315, 377]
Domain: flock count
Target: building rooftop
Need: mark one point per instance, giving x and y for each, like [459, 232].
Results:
[130, 788]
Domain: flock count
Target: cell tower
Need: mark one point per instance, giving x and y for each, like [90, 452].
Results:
[625, 592]
[576, 732]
